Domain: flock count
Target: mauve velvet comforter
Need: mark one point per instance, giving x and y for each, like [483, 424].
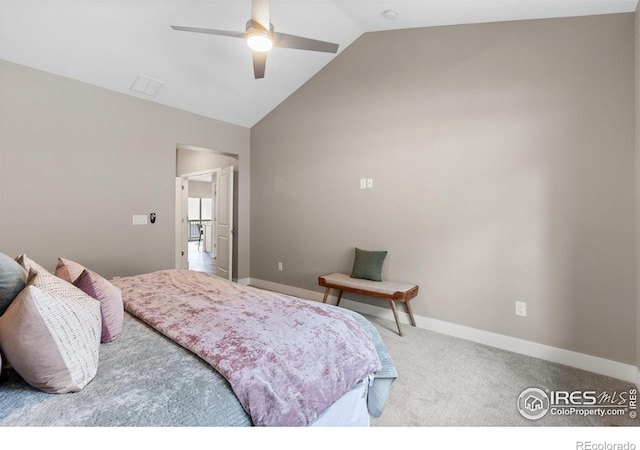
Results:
[286, 359]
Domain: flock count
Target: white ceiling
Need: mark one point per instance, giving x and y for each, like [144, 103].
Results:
[108, 43]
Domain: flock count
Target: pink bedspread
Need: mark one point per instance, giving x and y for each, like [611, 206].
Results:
[287, 359]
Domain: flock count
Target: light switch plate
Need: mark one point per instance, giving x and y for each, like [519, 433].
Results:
[140, 219]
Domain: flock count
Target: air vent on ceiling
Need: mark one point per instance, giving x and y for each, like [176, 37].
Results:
[147, 86]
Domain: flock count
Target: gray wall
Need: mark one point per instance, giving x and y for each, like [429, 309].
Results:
[637, 61]
[193, 161]
[77, 162]
[503, 164]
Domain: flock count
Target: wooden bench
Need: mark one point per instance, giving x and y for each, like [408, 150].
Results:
[390, 290]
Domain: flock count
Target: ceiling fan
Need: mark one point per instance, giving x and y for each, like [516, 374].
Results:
[261, 37]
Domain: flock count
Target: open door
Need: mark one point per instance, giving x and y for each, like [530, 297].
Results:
[224, 223]
[182, 194]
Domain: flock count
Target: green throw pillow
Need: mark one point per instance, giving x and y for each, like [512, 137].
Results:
[368, 265]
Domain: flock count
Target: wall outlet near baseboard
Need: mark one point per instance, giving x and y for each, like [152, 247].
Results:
[521, 309]
[280, 267]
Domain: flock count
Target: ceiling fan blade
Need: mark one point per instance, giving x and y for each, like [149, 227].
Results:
[210, 31]
[302, 43]
[259, 64]
[260, 12]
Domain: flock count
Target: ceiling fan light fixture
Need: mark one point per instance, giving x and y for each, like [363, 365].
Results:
[259, 41]
[261, 37]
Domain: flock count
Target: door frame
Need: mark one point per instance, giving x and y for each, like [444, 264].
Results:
[181, 252]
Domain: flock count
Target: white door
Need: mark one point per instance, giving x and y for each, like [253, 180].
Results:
[224, 223]
[182, 235]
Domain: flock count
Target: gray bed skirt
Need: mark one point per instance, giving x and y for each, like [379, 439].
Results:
[146, 380]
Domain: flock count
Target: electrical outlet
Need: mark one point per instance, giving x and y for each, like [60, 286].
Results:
[280, 266]
[521, 309]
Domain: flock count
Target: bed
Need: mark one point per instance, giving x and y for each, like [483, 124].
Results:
[173, 362]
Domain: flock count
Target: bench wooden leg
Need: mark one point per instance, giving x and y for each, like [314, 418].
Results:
[326, 296]
[339, 298]
[395, 314]
[410, 311]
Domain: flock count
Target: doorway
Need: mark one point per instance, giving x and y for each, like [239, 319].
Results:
[205, 233]
[200, 218]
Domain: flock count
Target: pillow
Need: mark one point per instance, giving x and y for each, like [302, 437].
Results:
[68, 270]
[110, 298]
[29, 264]
[368, 265]
[50, 334]
[13, 279]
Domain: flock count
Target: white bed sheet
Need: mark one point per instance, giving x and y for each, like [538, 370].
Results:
[349, 411]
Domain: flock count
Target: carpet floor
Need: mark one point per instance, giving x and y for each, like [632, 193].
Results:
[444, 381]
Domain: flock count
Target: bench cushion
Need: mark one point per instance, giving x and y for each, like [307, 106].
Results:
[383, 287]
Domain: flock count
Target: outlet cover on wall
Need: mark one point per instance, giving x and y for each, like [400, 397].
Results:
[521, 309]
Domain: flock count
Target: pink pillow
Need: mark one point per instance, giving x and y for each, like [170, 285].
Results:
[68, 270]
[28, 264]
[110, 298]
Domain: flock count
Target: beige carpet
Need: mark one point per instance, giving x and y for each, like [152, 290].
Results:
[449, 382]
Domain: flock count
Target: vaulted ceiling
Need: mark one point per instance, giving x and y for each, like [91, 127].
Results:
[128, 46]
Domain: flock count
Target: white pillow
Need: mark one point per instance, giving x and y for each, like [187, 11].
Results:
[50, 334]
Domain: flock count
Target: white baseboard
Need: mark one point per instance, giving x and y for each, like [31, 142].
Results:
[582, 361]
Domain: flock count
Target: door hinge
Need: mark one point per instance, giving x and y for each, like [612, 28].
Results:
[181, 253]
